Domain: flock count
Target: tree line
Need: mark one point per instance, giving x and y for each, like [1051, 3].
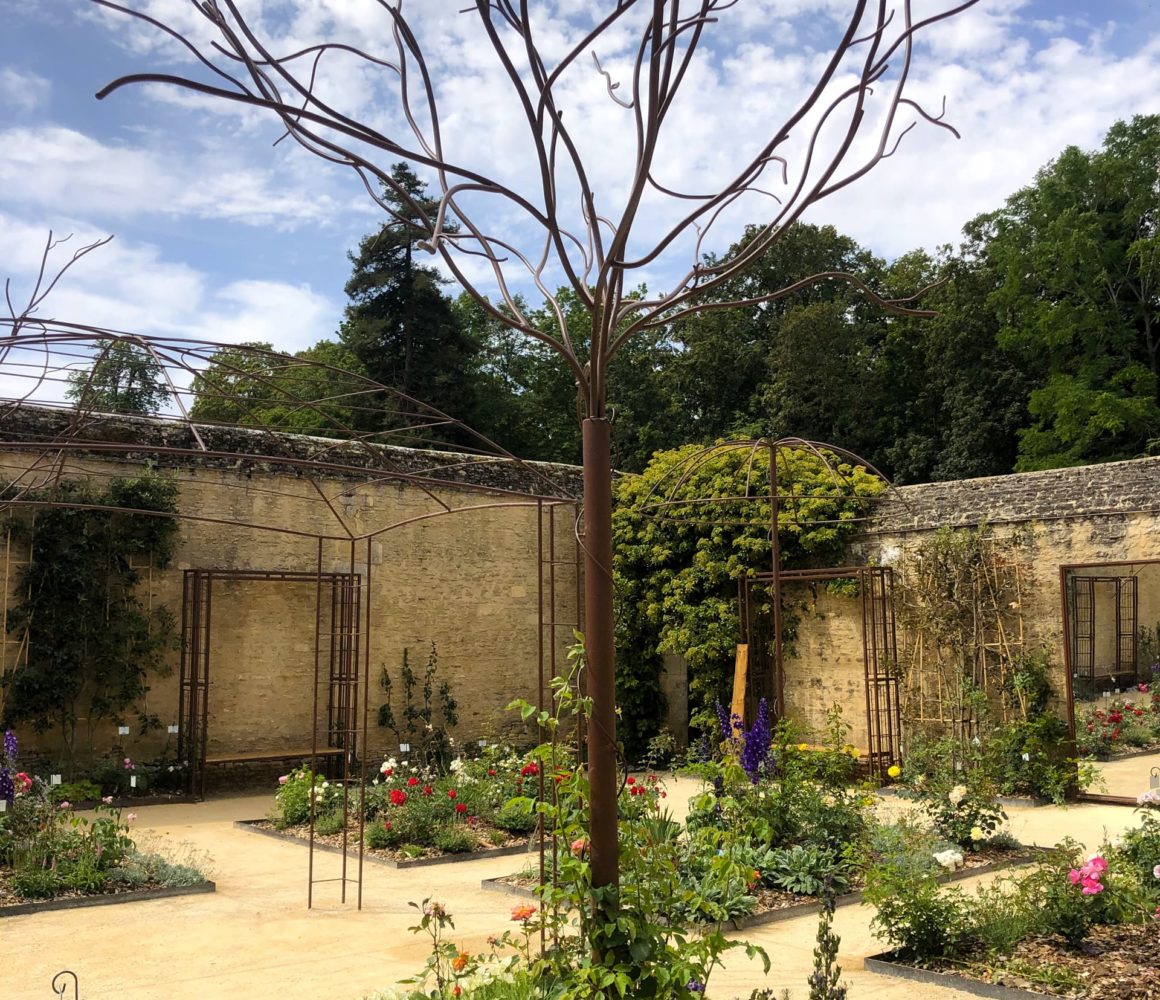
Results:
[1045, 350]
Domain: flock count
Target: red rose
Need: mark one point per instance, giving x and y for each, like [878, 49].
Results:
[398, 796]
[412, 781]
[428, 790]
[461, 807]
[451, 793]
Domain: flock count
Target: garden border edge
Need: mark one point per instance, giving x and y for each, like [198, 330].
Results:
[107, 899]
[250, 825]
[884, 964]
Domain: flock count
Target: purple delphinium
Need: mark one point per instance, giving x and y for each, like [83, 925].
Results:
[7, 762]
[693, 986]
[725, 722]
[757, 741]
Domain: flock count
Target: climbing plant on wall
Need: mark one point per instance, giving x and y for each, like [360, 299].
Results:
[92, 643]
[677, 564]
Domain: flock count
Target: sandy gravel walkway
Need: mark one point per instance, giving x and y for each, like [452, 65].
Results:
[255, 938]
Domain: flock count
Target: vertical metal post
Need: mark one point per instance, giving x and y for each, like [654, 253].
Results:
[314, 712]
[600, 649]
[204, 720]
[362, 770]
[775, 585]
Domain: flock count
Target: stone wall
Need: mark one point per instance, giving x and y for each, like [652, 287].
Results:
[1092, 516]
[825, 667]
[466, 581]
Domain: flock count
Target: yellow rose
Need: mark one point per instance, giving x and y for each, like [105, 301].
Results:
[894, 771]
[803, 747]
[977, 833]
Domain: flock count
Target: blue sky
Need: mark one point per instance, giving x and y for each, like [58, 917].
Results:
[221, 235]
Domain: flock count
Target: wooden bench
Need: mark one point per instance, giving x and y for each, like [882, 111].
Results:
[271, 756]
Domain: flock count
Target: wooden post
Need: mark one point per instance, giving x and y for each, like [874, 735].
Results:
[740, 679]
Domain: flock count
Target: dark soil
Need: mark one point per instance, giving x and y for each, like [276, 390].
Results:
[1115, 963]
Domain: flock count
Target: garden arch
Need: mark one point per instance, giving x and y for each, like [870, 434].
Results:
[375, 461]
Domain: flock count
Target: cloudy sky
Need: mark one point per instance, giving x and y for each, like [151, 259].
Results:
[223, 235]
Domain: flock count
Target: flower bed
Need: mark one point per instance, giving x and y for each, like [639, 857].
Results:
[1070, 926]
[1118, 963]
[50, 857]
[1122, 726]
[410, 813]
[414, 857]
[773, 905]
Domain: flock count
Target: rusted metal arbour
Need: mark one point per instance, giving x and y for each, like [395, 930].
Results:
[765, 637]
[354, 425]
[856, 115]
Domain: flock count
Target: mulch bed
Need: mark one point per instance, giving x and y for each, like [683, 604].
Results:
[386, 855]
[12, 905]
[1115, 963]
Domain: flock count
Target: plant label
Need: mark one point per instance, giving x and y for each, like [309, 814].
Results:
[133, 781]
[404, 748]
[122, 730]
[172, 730]
[54, 779]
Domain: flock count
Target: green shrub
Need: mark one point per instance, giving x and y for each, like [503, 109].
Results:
[514, 818]
[328, 823]
[804, 870]
[35, 883]
[454, 839]
[381, 834]
[75, 791]
[915, 915]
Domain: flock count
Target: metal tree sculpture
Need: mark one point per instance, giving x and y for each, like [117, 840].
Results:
[836, 140]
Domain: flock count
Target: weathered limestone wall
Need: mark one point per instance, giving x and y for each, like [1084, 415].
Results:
[1090, 516]
[466, 581]
[825, 667]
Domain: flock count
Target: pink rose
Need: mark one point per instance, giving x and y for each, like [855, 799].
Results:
[107, 799]
[1156, 872]
[65, 805]
[283, 779]
[1091, 887]
[131, 817]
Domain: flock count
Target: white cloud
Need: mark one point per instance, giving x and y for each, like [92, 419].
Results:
[133, 288]
[23, 91]
[61, 168]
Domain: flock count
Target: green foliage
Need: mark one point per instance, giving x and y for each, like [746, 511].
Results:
[124, 378]
[92, 642]
[1077, 293]
[47, 850]
[515, 819]
[826, 979]
[1029, 757]
[320, 390]
[427, 712]
[399, 325]
[292, 801]
[454, 839]
[914, 915]
[955, 789]
[633, 941]
[676, 575]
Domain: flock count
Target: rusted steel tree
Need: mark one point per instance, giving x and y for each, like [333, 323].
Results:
[855, 116]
